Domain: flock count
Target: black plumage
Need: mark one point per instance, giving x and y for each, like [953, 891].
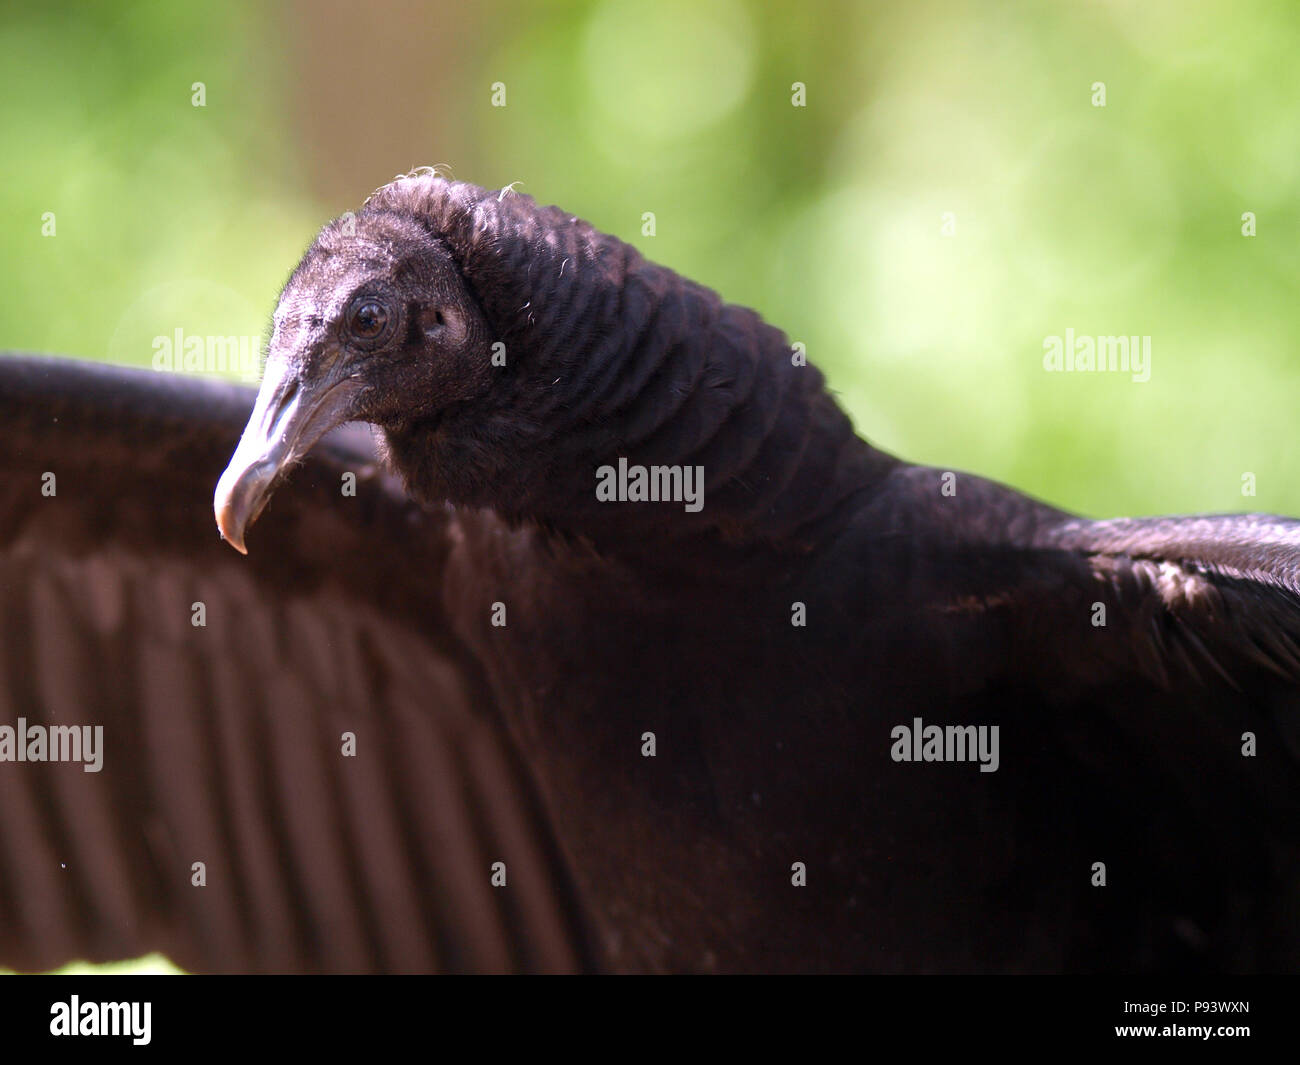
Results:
[505, 352]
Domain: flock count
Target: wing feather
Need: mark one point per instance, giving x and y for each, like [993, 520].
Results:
[223, 742]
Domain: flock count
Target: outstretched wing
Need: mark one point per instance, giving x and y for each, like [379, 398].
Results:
[1216, 595]
[300, 766]
[1189, 695]
[1174, 601]
[1145, 674]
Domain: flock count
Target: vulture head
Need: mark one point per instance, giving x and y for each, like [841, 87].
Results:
[507, 352]
[376, 324]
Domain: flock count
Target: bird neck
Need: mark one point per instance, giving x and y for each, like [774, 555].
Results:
[682, 418]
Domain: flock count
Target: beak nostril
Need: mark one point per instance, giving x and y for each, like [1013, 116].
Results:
[275, 412]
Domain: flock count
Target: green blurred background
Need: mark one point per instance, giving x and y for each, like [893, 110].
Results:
[829, 218]
[1122, 219]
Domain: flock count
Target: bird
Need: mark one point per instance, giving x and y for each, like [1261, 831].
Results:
[570, 626]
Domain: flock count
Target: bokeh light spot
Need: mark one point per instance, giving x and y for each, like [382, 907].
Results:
[670, 69]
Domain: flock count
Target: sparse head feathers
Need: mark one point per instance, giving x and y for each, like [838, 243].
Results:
[579, 350]
[511, 250]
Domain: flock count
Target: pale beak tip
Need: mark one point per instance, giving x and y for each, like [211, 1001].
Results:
[228, 527]
[288, 418]
[237, 544]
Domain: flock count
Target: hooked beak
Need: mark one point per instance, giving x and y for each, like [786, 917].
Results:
[290, 415]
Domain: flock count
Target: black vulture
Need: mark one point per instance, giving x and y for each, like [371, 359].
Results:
[609, 646]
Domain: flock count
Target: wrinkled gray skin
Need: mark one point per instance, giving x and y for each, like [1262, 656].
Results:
[333, 359]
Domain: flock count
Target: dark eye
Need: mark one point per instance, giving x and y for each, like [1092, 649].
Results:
[368, 319]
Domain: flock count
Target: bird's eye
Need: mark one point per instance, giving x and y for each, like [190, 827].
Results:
[367, 319]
